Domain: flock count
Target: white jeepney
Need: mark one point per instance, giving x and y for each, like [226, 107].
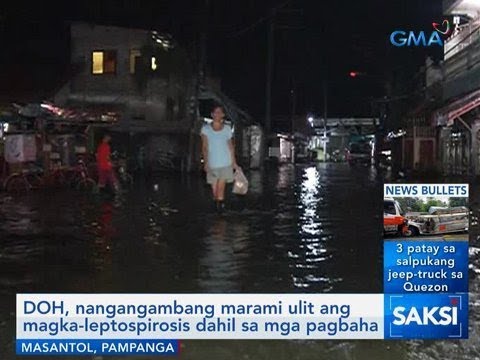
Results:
[438, 220]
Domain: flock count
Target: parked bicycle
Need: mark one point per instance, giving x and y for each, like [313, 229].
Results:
[165, 161]
[56, 177]
[24, 180]
[121, 165]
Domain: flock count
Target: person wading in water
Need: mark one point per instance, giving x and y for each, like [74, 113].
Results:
[218, 152]
[106, 174]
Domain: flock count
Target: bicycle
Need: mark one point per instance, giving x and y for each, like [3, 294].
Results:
[165, 161]
[24, 181]
[56, 177]
[121, 167]
[123, 176]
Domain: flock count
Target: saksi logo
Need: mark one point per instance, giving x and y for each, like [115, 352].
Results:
[426, 316]
[401, 38]
[436, 315]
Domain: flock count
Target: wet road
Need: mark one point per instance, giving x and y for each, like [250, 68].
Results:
[300, 229]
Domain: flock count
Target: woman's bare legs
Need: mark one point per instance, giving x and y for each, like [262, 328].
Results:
[214, 191]
[218, 192]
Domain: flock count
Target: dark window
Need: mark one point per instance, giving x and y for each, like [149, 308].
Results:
[134, 60]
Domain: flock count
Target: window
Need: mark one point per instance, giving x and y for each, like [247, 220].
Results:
[389, 208]
[134, 55]
[97, 62]
[104, 62]
[399, 208]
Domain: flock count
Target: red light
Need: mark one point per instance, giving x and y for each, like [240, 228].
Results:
[353, 74]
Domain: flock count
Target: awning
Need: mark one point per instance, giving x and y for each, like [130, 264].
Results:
[447, 115]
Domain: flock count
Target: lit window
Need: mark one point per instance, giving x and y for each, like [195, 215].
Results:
[97, 62]
[134, 54]
[104, 62]
[153, 63]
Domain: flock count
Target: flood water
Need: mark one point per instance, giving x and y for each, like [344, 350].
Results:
[300, 229]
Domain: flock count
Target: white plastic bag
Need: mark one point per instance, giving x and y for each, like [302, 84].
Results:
[240, 182]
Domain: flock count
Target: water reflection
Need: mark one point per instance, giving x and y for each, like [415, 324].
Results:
[311, 249]
[104, 233]
[301, 228]
[309, 203]
[226, 249]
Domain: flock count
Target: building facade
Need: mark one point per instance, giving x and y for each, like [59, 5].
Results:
[458, 119]
[151, 82]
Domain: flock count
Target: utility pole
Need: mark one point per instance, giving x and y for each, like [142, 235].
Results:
[274, 11]
[202, 66]
[269, 72]
[198, 80]
[293, 109]
[325, 117]
[293, 92]
[325, 88]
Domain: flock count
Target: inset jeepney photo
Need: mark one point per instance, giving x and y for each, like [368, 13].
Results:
[425, 217]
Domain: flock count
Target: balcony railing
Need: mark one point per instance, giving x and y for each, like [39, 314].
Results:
[461, 71]
[468, 35]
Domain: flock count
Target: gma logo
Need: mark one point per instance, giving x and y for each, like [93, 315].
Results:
[401, 38]
[436, 315]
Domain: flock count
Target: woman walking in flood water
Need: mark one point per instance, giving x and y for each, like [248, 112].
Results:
[218, 155]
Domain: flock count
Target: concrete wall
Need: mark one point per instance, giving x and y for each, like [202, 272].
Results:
[461, 68]
[86, 38]
[158, 105]
[462, 72]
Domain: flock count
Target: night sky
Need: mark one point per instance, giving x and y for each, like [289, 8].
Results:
[314, 40]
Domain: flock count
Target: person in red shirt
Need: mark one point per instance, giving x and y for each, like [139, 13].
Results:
[104, 164]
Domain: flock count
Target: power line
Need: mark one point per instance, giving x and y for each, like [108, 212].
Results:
[259, 21]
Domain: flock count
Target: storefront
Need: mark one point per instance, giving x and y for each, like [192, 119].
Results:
[455, 150]
[459, 135]
[418, 146]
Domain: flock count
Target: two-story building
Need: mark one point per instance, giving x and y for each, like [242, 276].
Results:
[151, 82]
[459, 118]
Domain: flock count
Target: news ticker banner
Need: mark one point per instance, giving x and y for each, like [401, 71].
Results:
[433, 266]
[426, 190]
[435, 261]
[110, 324]
[425, 266]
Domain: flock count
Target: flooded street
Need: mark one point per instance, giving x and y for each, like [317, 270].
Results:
[312, 228]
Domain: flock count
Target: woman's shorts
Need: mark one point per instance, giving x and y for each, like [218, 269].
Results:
[223, 173]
